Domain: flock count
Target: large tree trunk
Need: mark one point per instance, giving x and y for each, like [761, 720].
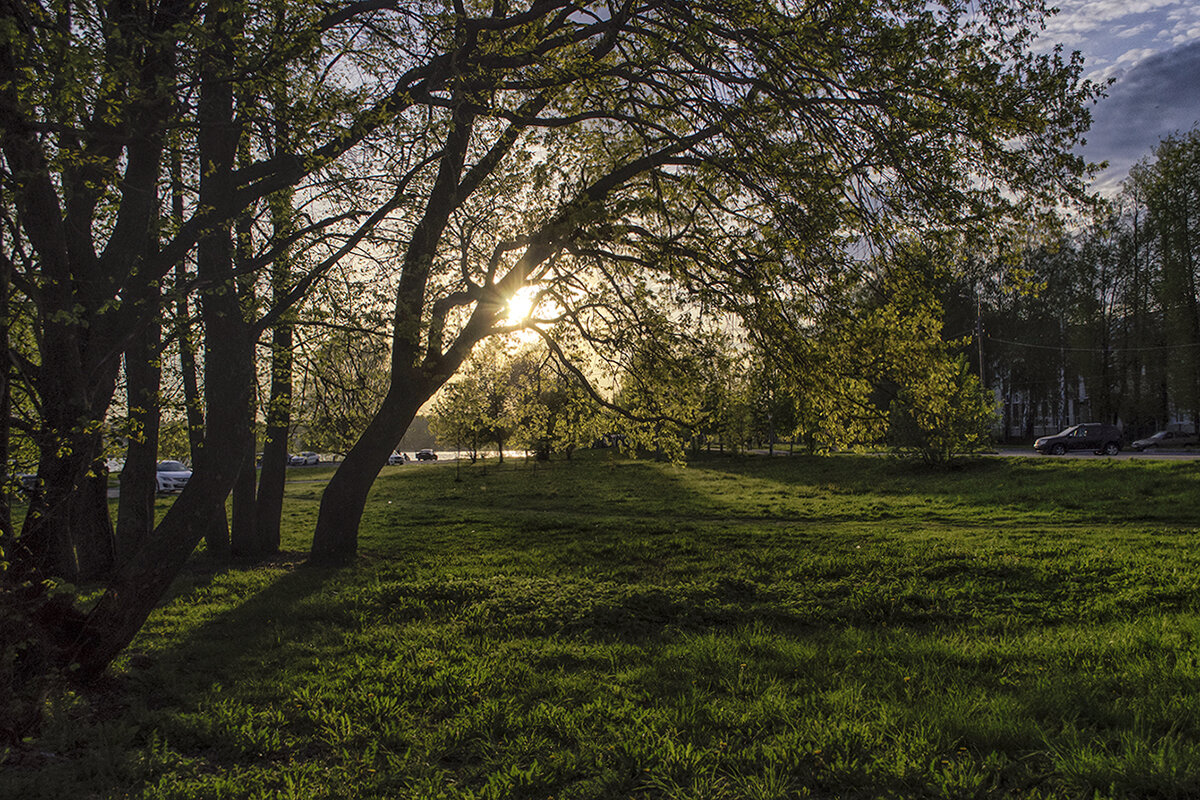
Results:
[135, 508]
[217, 141]
[269, 507]
[67, 530]
[217, 537]
[335, 540]
[243, 533]
[243, 537]
[7, 535]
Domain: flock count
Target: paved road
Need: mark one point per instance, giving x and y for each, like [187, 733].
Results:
[1007, 451]
[1124, 455]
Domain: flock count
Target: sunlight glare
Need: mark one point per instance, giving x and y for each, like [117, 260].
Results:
[520, 305]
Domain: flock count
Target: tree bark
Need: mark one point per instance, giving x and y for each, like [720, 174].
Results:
[335, 540]
[143, 374]
[243, 533]
[217, 141]
[135, 589]
[269, 507]
[7, 534]
[135, 508]
[269, 504]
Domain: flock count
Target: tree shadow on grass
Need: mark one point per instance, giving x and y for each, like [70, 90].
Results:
[248, 612]
[1101, 489]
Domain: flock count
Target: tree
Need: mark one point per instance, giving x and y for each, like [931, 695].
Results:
[458, 416]
[344, 375]
[672, 133]
[552, 412]
[1170, 188]
[640, 151]
[875, 367]
[90, 96]
[941, 411]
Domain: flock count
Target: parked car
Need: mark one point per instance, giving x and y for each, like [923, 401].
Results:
[27, 483]
[1166, 439]
[171, 476]
[304, 459]
[426, 455]
[397, 458]
[1098, 437]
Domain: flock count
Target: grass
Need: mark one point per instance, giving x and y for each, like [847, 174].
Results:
[797, 627]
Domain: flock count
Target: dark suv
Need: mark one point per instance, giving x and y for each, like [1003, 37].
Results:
[1095, 436]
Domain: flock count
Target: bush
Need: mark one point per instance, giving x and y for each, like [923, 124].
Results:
[941, 413]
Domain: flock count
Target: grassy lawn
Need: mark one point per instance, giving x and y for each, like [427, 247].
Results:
[799, 627]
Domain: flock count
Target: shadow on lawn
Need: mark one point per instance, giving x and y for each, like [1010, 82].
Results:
[1100, 489]
[256, 612]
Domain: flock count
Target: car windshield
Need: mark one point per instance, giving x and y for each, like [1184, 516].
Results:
[1074, 430]
[171, 466]
[1160, 435]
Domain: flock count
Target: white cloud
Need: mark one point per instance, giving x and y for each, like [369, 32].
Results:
[1132, 57]
[1129, 33]
[1092, 15]
[1182, 35]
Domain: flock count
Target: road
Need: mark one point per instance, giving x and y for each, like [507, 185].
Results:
[1124, 455]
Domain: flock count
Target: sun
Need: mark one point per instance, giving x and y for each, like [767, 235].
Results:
[520, 305]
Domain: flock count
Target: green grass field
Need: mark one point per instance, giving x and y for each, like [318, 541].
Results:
[833, 627]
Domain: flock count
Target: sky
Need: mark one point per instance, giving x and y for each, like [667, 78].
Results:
[1152, 49]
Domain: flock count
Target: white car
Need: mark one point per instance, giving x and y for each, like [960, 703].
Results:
[397, 458]
[171, 476]
[304, 459]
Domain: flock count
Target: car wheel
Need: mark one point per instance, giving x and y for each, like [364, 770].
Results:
[1058, 450]
[1111, 449]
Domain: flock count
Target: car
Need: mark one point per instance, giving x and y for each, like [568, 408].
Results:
[304, 459]
[397, 458]
[1166, 439]
[1099, 437]
[171, 476]
[27, 483]
[426, 455]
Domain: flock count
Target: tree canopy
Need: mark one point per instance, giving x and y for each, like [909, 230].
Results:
[631, 161]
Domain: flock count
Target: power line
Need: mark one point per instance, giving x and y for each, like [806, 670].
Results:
[1058, 348]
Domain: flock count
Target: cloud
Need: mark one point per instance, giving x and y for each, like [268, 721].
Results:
[1129, 33]
[1156, 97]
[1077, 18]
[1135, 55]
[1185, 24]
[1106, 29]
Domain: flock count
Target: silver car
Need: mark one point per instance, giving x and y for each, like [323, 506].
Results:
[171, 476]
[1168, 439]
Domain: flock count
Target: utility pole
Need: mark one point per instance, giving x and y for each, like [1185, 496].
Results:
[979, 331]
